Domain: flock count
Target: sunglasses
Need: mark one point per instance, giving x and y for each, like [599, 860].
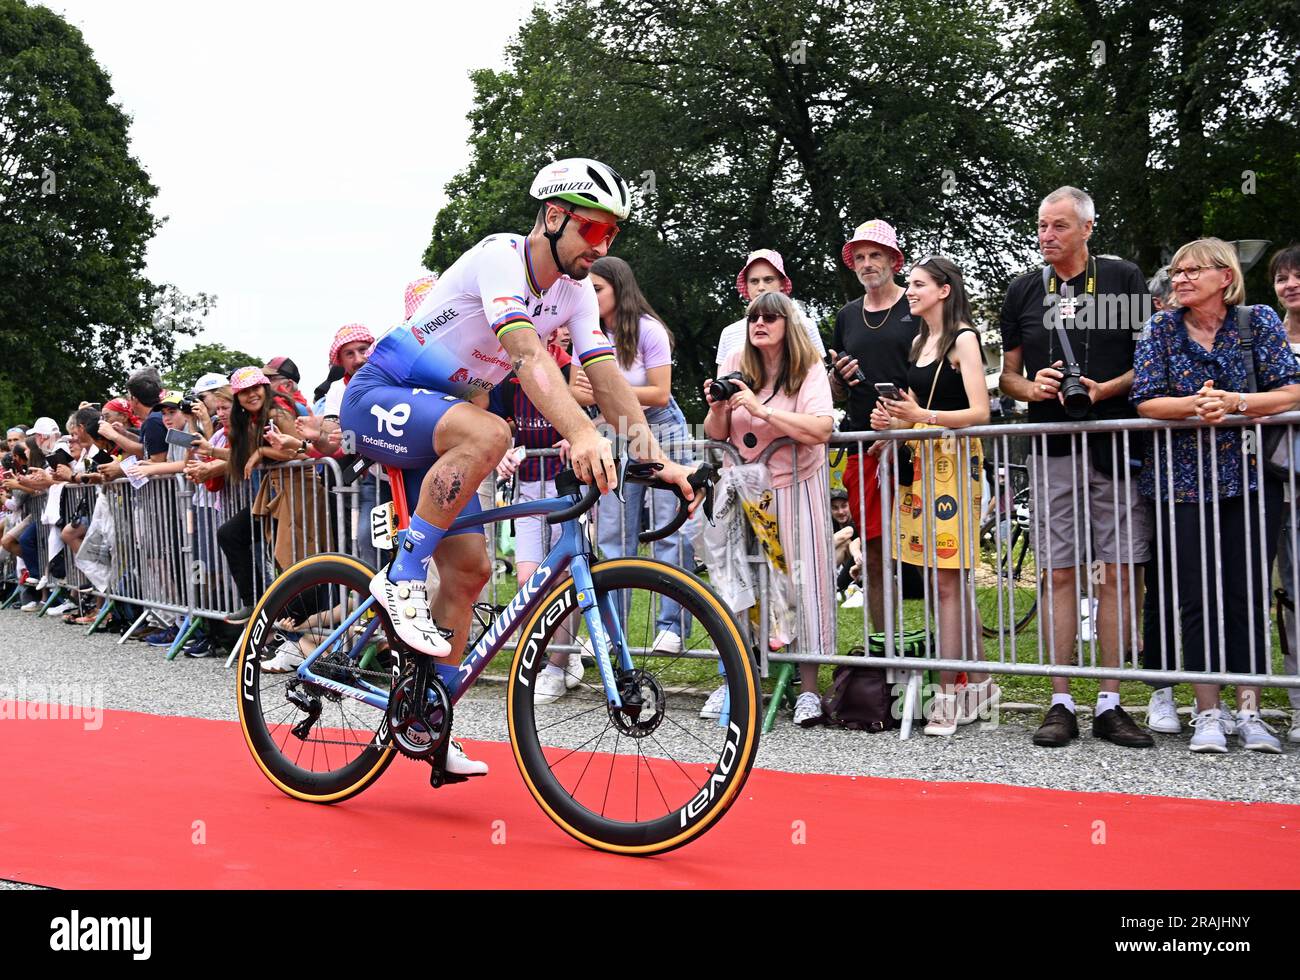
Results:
[768, 318]
[593, 232]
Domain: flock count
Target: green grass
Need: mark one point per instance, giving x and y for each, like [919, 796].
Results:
[702, 674]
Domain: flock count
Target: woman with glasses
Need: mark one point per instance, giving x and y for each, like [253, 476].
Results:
[643, 348]
[787, 394]
[1191, 363]
[946, 390]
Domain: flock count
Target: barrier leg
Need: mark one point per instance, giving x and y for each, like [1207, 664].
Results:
[102, 615]
[784, 694]
[49, 603]
[909, 704]
[134, 626]
[13, 597]
[186, 629]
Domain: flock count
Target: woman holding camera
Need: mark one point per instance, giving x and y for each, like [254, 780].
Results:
[946, 369]
[644, 350]
[782, 391]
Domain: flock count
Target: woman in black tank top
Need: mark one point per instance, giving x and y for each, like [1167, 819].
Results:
[938, 514]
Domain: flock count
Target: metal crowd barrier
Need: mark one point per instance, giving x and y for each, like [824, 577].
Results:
[1007, 592]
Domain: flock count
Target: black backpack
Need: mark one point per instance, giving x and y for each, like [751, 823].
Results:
[860, 699]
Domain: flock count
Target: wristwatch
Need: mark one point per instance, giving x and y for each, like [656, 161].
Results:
[768, 416]
[1241, 405]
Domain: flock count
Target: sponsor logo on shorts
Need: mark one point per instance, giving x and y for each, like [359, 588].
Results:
[392, 447]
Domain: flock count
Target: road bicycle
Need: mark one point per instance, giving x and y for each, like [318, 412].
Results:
[623, 764]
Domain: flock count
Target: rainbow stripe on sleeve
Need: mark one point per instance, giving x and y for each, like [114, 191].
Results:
[516, 320]
[595, 356]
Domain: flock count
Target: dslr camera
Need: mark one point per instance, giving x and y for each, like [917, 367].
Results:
[724, 387]
[187, 403]
[1074, 393]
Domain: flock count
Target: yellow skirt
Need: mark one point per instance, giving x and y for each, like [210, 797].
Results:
[937, 517]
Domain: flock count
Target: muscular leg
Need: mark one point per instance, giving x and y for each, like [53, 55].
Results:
[469, 443]
[463, 567]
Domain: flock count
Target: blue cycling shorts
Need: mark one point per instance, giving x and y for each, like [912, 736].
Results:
[394, 424]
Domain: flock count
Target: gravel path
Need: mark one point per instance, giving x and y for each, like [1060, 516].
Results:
[136, 677]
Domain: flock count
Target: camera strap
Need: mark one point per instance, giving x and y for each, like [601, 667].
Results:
[1066, 307]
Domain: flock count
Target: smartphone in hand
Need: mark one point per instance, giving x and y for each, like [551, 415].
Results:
[886, 389]
[175, 437]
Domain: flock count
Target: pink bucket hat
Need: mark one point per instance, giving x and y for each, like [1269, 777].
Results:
[349, 334]
[416, 290]
[247, 377]
[763, 255]
[880, 232]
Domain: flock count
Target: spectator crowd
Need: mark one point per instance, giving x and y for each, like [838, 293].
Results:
[1086, 338]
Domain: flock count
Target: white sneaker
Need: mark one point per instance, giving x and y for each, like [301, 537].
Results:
[61, 608]
[574, 670]
[943, 715]
[550, 686]
[1229, 719]
[666, 642]
[459, 764]
[1294, 734]
[1162, 714]
[1209, 735]
[808, 710]
[1256, 734]
[407, 604]
[853, 600]
[286, 660]
[30, 606]
[713, 707]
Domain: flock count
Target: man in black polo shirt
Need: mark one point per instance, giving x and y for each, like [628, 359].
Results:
[871, 343]
[1102, 303]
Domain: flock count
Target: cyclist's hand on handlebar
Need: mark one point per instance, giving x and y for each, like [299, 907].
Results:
[678, 474]
[592, 457]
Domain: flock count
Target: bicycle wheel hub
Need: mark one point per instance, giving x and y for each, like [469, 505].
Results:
[643, 705]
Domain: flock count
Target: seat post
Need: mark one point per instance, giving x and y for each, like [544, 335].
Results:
[397, 483]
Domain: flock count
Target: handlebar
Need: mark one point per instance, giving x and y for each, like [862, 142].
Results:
[702, 480]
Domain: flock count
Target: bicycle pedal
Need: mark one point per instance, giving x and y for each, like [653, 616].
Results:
[439, 778]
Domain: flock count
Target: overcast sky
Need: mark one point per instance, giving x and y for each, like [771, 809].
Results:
[299, 153]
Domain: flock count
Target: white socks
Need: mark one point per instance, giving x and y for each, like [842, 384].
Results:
[1064, 699]
[1105, 701]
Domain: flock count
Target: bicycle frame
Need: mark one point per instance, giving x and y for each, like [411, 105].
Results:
[570, 553]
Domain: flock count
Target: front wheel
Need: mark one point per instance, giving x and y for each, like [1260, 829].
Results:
[653, 778]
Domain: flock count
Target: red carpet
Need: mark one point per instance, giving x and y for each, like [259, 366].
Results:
[116, 808]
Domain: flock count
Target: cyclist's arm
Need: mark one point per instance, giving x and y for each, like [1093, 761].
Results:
[619, 404]
[544, 384]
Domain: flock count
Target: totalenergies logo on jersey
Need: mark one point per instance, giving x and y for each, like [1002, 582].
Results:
[489, 359]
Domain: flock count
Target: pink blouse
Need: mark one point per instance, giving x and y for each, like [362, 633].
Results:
[753, 435]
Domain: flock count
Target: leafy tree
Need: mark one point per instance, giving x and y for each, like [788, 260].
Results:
[1179, 118]
[742, 126]
[205, 358]
[76, 310]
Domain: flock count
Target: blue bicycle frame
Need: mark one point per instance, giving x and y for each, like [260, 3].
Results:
[570, 552]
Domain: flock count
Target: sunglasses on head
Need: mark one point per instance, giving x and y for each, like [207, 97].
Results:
[768, 318]
[593, 232]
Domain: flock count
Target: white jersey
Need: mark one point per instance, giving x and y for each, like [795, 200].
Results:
[452, 342]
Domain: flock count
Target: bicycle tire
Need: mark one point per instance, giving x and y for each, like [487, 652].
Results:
[1026, 605]
[375, 753]
[710, 787]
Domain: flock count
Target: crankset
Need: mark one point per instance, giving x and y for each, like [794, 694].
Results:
[419, 713]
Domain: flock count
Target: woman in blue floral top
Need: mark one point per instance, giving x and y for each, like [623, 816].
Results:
[1190, 363]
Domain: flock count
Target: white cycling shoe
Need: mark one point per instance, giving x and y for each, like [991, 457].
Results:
[407, 604]
[459, 764]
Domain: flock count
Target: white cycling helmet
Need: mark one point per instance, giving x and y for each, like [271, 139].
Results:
[586, 183]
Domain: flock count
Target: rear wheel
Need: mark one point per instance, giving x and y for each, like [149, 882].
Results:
[312, 742]
[652, 776]
[1005, 584]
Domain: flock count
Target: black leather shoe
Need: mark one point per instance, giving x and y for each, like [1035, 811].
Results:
[1058, 727]
[1116, 727]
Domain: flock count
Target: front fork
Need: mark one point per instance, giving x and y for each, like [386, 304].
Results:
[605, 627]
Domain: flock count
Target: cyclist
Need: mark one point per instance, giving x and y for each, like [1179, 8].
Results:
[420, 402]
